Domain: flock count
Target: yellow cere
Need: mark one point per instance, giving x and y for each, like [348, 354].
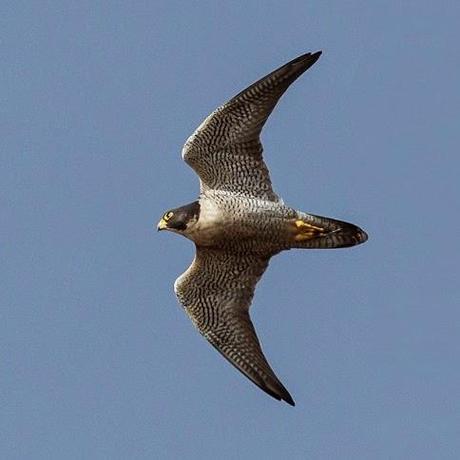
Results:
[162, 225]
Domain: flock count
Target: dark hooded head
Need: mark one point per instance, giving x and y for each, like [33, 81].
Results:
[178, 219]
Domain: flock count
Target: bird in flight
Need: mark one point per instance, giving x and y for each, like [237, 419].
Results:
[238, 223]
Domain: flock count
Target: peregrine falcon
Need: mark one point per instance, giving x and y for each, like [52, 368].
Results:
[238, 223]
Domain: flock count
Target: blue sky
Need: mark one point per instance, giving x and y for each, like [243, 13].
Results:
[98, 359]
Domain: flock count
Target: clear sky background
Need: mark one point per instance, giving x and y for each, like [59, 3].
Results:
[97, 358]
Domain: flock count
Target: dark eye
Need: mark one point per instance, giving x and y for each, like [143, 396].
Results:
[168, 216]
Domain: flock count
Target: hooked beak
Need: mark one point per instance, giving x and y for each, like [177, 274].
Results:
[162, 225]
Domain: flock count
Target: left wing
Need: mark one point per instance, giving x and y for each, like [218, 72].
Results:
[216, 291]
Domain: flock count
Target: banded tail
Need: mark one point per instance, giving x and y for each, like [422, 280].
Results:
[317, 232]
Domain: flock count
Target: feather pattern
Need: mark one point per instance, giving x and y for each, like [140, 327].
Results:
[225, 150]
[239, 223]
[216, 292]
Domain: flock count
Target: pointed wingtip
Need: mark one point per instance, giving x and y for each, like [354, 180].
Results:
[315, 56]
[305, 61]
[285, 396]
[290, 401]
[278, 391]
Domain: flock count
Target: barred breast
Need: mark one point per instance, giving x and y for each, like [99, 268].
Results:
[243, 222]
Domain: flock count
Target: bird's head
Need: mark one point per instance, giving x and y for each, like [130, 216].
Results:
[180, 220]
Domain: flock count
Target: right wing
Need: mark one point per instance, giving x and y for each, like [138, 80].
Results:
[225, 150]
[216, 292]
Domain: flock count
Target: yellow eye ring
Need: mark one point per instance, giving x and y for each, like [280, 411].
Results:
[168, 216]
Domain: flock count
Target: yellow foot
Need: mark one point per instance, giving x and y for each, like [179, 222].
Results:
[305, 231]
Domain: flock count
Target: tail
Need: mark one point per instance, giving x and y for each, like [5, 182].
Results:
[317, 232]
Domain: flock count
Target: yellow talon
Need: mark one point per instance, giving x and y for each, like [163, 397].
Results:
[305, 231]
[302, 224]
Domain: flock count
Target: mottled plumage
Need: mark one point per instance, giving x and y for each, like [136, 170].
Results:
[239, 223]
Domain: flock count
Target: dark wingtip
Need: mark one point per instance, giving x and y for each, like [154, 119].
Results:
[278, 392]
[305, 61]
[285, 396]
[289, 400]
[315, 56]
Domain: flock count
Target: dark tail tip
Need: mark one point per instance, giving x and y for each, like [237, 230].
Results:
[352, 235]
